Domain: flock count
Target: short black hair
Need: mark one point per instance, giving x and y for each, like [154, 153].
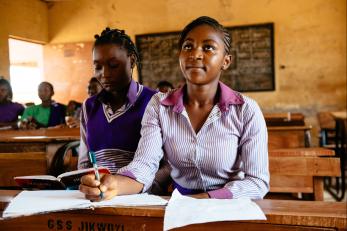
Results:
[119, 37]
[93, 80]
[164, 83]
[6, 83]
[48, 84]
[205, 20]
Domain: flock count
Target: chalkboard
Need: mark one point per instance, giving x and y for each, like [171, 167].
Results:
[252, 51]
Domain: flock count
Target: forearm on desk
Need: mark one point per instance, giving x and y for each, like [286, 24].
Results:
[121, 185]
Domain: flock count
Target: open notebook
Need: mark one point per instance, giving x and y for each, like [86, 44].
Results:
[36, 202]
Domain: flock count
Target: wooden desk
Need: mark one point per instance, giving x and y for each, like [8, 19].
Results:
[281, 215]
[301, 174]
[284, 119]
[19, 164]
[41, 140]
[302, 152]
[289, 136]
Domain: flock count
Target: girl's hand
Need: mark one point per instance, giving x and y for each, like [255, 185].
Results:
[91, 187]
[109, 185]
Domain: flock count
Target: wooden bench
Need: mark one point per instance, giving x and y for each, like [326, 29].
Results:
[301, 171]
[19, 164]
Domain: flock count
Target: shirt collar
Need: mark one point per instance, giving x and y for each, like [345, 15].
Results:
[132, 92]
[227, 97]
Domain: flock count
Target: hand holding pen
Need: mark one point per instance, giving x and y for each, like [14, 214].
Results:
[96, 171]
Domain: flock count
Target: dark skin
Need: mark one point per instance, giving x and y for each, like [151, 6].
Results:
[45, 93]
[4, 99]
[202, 59]
[113, 67]
[4, 92]
[94, 88]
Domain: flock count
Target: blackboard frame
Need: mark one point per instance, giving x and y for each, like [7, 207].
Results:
[159, 58]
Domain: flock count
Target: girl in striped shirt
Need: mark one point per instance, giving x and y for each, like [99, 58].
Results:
[214, 138]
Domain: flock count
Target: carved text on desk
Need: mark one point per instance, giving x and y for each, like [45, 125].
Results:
[83, 225]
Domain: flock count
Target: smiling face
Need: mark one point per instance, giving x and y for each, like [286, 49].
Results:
[112, 66]
[202, 57]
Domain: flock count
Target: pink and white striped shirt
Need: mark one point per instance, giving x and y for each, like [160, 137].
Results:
[227, 158]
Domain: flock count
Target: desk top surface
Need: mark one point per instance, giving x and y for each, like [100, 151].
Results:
[289, 128]
[40, 135]
[283, 211]
[339, 115]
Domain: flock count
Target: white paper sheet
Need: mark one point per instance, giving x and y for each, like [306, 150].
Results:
[183, 210]
[34, 202]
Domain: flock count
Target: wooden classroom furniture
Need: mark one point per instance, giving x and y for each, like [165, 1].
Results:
[281, 215]
[338, 192]
[19, 164]
[301, 174]
[35, 140]
[299, 170]
[284, 119]
[289, 136]
[40, 140]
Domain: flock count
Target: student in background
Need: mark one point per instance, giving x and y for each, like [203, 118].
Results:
[111, 119]
[73, 113]
[47, 114]
[214, 138]
[164, 86]
[94, 87]
[73, 121]
[9, 111]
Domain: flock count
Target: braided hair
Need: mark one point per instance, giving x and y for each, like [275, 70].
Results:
[119, 37]
[205, 20]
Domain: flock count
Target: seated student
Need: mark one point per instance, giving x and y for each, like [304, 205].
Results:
[9, 111]
[111, 119]
[47, 114]
[94, 87]
[164, 86]
[214, 138]
[73, 113]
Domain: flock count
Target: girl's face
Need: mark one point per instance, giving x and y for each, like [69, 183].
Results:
[112, 66]
[202, 56]
[4, 91]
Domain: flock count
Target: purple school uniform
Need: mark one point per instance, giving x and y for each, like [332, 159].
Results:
[113, 136]
[9, 112]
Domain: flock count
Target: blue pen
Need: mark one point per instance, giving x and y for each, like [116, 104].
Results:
[96, 171]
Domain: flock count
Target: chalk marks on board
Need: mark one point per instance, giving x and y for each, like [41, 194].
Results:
[252, 50]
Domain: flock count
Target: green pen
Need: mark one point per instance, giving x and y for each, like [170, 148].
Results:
[96, 171]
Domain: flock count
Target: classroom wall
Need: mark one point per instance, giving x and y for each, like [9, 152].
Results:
[22, 19]
[310, 40]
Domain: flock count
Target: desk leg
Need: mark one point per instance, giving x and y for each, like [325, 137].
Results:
[307, 138]
[340, 149]
[318, 188]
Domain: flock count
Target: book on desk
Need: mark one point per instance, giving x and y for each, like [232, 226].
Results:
[67, 180]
